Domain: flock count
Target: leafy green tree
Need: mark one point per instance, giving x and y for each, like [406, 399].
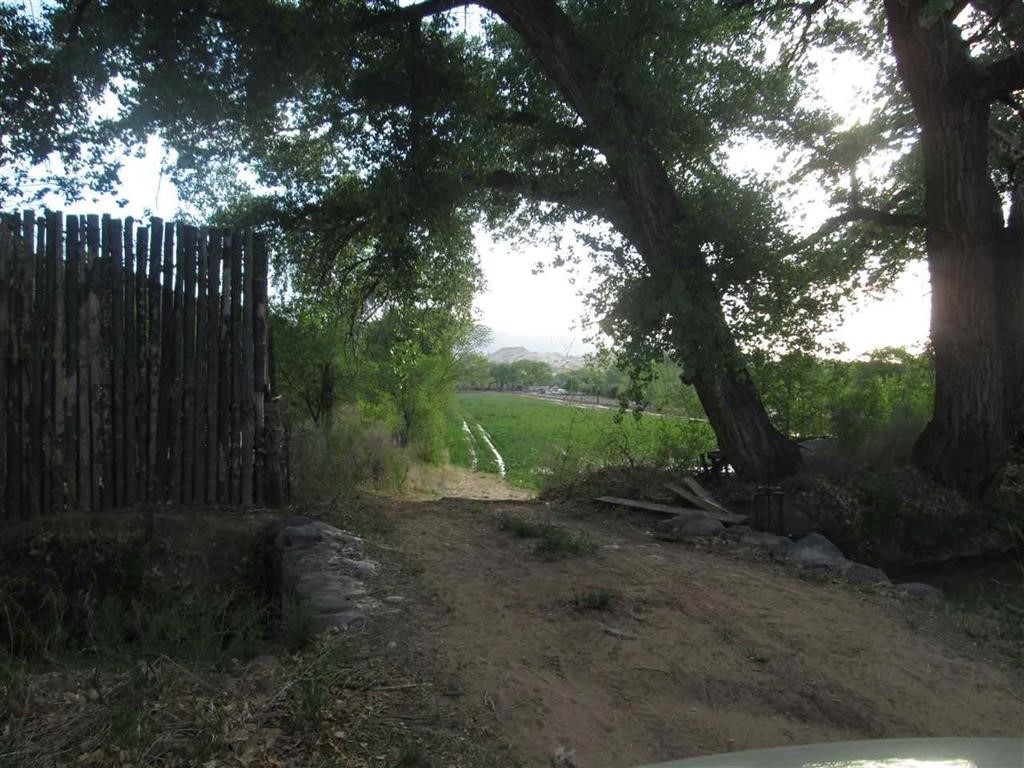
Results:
[533, 373]
[474, 372]
[385, 133]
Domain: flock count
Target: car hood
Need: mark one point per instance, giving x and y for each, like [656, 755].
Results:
[885, 753]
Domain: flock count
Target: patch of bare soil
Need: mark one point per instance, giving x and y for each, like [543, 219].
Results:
[429, 482]
[698, 652]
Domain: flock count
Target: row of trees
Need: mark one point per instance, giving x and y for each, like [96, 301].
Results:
[389, 130]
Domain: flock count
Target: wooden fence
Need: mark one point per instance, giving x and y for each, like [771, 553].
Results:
[133, 366]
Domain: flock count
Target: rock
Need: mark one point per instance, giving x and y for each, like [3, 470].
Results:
[687, 526]
[815, 560]
[815, 542]
[324, 569]
[769, 542]
[395, 600]
[925, 592]
[864, 574]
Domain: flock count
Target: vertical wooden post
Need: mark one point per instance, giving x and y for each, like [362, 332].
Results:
[272, 462]
[224, 393]
[131, 365]
[236, 367]
[248, 383]
[117, 398]
[6, 331]
[17, 440]
[55, 364]
[34, 415]
[72, 249]
[259, 356]
[44, 358]
[177, 362]
[14, 343]
[97, 448]
[214, 255]
[166, 364]
[188, 369]
[142, 380]
[202, 380]
[153, 361]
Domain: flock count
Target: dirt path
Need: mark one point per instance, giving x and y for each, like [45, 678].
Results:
[700, 652]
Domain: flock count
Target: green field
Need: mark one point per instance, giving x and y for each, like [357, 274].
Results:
[541, 440]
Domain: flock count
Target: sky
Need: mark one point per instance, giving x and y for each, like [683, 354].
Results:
[543, 312]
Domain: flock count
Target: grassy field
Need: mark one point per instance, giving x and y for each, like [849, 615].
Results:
[541, 441]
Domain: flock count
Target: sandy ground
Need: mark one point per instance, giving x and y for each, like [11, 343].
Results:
[701, 652]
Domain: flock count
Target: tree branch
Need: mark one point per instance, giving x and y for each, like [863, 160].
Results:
[861, 214]
[412, 13]
[1003, 77]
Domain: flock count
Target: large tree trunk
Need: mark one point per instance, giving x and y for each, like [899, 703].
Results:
[965, 441]
[701, 336]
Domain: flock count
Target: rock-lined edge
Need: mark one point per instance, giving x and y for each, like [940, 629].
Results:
[326, 572]
[813, 552]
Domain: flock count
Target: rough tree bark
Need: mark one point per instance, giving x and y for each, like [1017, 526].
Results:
[974, 320]
[658, 230]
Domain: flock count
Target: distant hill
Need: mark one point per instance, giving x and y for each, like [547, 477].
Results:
[556, 361]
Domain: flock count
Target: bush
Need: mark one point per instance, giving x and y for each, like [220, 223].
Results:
[335, 459]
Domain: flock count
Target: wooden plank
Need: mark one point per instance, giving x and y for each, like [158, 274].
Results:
[224, 391]
[131, 366]
[55, 365]
[214, 256]
[188, 369]
[177, 376]
[199, 443]
[116, 283]
[235, 456]
[153, 336]
[163, 437]
[665, 509]
[247, 418]
[259, 345]
[105, 391]
[71, 281]
[704, 499]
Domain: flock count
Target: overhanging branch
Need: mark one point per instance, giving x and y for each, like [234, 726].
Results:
[865, 215]
[1004, 76]
[412, 13]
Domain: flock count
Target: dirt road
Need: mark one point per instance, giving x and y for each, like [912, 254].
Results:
[700, 652]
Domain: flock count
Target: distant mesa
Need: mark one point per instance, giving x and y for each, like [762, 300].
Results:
[556, 361]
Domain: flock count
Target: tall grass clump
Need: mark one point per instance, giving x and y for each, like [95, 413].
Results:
[335, 458]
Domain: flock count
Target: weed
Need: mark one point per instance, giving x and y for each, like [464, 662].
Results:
[125, 723]
[593, 600]
[13, 687]
[312, 698]
[297, 626]
[413, 756]
[554, 541]
[756, 656]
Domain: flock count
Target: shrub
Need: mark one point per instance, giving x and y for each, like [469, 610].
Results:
[333, 460]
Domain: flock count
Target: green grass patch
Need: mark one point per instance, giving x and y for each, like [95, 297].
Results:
[544, 442]
[598, 599]
[553, 541]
